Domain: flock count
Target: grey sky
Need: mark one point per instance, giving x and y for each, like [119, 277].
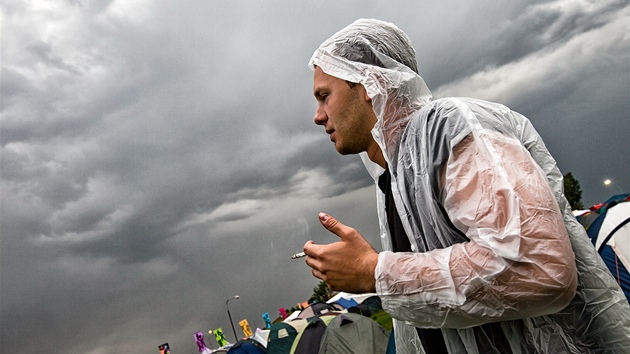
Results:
[160, 157]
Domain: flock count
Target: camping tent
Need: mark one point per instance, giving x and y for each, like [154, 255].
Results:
[316, 309]
[586, 217]
[247, 346]
[282, 335]
[351, 333]
[345, 303]
[308, 341]
[358, 298]
[261, 336]
[369, 306]
[610, 234]
[617, 198]
[589, 216]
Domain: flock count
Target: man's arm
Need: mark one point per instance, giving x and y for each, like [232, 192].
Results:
[518, 263]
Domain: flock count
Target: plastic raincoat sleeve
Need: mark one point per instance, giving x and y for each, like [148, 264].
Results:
[518, 262]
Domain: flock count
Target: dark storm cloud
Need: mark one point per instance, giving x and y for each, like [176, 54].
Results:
[574, 93]
[488, 36]
[158, 159]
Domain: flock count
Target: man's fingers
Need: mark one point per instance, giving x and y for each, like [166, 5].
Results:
[317, 274]
[345, 233]
[321, 276]
[312, 249]
[328, 221]
[308, 245]
[333, 225]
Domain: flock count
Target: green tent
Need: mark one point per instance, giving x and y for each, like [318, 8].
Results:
[282, 335]
[309, 340]
[351, 333]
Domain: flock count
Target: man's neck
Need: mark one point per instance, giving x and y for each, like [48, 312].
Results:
[376, 155]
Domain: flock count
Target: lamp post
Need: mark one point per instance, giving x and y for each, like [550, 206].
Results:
[230, 316]
[608, 182]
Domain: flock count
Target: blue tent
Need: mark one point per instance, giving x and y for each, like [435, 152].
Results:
[247, 346]
[610, 234]
[346, 303]
[618, 270]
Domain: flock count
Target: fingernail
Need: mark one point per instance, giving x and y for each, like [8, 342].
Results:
[323, 216]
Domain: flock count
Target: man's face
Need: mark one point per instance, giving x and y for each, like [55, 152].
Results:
[345, 112]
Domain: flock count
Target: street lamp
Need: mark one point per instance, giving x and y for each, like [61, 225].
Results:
[230, 316]
[608, 182]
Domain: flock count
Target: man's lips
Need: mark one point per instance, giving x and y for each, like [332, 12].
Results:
[331, 134]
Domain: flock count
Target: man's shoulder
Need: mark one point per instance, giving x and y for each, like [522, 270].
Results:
[444, 109]
[455, 102]
[458, 108]
[451, 117]
[441, 119]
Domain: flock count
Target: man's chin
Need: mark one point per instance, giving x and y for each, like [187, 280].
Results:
[342, 150]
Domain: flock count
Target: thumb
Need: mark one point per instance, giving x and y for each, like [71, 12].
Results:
[333, 225]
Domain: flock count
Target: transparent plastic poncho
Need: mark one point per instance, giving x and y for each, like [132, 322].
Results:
[497, 251]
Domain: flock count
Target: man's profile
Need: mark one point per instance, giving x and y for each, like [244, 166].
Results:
[479, 243]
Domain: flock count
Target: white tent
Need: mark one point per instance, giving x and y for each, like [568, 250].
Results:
[356, 297]
[615, 232]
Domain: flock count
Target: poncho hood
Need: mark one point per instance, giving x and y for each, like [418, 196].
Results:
[396, 90]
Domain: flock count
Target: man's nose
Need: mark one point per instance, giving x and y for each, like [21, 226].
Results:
[320, 116]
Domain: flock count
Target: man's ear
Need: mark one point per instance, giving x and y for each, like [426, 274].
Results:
[366, 97]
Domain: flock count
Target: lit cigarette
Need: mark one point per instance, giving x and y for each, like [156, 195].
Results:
[298, 255]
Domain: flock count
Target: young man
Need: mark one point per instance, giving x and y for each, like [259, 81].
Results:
[478, 238]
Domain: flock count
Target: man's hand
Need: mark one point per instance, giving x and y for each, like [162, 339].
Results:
[347, 265]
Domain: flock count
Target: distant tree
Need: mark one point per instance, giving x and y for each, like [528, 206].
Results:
[321, 293]
[291, 310]
[573, 192]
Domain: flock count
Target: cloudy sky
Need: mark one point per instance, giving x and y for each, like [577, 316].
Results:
[159, 157]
